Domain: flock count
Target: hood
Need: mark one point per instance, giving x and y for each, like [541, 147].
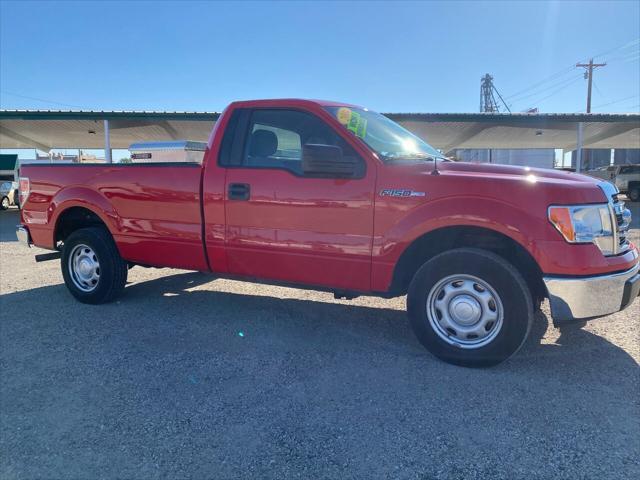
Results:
[556, 186]
[493, 170]
[562, 186]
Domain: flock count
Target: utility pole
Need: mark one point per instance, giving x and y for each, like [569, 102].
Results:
[588, 74]
[583, 158]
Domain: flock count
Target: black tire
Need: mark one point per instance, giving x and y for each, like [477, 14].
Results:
[4, 203]
[112, 268]
[505, 281]
[634, 193]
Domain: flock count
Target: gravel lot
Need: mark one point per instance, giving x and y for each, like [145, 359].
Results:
[188, 376]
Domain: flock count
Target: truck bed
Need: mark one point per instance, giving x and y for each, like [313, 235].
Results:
[153, 210]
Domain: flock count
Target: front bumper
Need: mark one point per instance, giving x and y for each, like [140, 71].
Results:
[574, 298]
[23, 235]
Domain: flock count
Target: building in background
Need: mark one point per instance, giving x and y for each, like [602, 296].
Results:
[80, 157]
[527, 157]
[592, 158]
[622, 156]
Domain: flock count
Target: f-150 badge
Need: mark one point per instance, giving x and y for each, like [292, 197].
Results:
[400, 192]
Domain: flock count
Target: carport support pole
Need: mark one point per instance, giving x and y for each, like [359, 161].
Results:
[107, 142]
[579, 147]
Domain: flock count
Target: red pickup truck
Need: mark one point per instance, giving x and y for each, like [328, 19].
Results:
[335, 197]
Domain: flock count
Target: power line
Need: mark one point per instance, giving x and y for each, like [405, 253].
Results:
[541, 82]
[568, 69]
[43, 100]
[628, 57]
[616, 101]
[557, 91]
[547, 88]
[620, 47]
[595, 85]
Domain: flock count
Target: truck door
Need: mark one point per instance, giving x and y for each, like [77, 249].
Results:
[287, 225]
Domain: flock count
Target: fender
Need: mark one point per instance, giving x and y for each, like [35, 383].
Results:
[81, 196]
[469, 210]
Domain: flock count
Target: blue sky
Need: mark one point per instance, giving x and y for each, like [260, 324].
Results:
[391, 57]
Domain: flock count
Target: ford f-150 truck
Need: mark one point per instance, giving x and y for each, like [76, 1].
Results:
[335, 197]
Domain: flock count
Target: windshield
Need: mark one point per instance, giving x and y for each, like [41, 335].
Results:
[384, 136]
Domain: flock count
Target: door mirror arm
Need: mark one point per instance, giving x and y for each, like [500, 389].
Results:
[320, 160]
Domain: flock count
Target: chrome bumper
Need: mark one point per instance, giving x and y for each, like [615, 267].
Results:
[23, 235]
[588, 297]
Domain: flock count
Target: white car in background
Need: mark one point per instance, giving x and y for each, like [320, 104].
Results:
[607, 173]
[625, 177]
[8, 194]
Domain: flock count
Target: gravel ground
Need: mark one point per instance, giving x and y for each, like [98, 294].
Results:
[188, 376]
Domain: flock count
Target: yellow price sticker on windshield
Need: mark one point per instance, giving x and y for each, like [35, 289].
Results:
[344, 115]
[357, 125]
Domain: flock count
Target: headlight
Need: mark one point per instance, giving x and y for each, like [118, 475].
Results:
[585, 224]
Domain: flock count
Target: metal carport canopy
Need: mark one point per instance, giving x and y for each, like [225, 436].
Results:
[85, 129]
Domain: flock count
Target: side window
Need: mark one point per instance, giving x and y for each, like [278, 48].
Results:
[276, 139]
[272, 146]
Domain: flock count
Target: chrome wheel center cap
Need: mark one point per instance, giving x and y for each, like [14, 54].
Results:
[465, 310]
[86, 267]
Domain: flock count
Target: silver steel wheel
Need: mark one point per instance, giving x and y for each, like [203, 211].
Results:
[5, 203]
[465, 311]
[84, 268]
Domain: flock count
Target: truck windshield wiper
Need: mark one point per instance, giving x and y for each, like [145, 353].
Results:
[409, 157]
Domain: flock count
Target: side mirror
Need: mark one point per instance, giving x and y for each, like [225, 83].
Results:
[326, 161]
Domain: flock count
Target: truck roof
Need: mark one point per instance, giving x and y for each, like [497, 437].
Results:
[292, 101]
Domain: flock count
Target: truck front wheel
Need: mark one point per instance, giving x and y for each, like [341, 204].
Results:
[470, 307]
[634, 193]
[92, 267]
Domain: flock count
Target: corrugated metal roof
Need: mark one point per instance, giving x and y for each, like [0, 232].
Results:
[104, 114]
[515, 118]
[46, 129]
[397, 116]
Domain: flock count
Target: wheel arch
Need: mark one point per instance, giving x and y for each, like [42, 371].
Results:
[75, 217]
[431, 243]
[76, 207]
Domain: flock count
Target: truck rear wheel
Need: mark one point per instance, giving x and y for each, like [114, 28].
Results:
[634, 193]
[470, 307]
[92, 267]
